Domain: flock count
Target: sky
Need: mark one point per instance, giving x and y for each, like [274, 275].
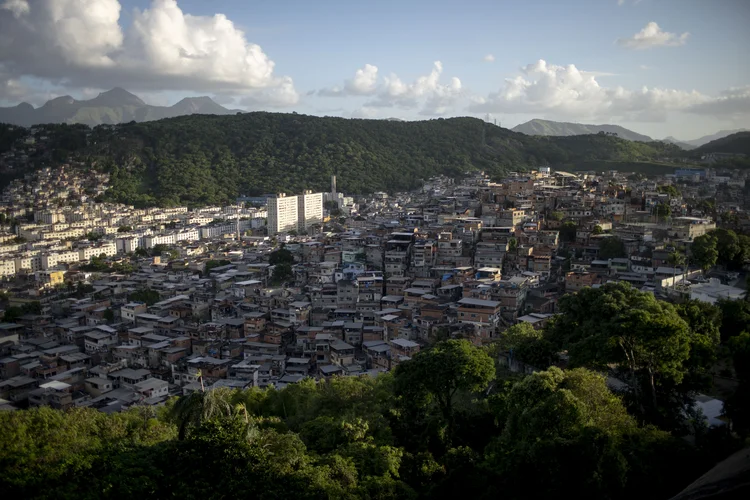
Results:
[660, 67]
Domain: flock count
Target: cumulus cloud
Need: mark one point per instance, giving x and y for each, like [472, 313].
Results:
[365, 112]
[281, 95]
[82, 43]
[489, 58]
[653, 36]
[17, 7]
[567, 92]
[437, 97]
[732, 103]
[365, 82]
[426, 93]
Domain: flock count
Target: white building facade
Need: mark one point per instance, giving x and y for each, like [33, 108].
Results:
[282, 214]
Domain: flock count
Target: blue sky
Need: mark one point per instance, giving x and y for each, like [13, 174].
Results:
[660, 67]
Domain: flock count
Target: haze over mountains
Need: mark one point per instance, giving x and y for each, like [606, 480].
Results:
[111, 107]
[120, 106]
[548, 127]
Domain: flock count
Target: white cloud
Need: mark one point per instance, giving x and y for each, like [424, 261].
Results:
[437, 97]
[365, 82]
[489, 58]
[12, 90]
[82, 43]
[17, 7]
[565, 92]
[732, 103]
[365, 112]
[282, 95]
[652, 36]
[426, 93]
[644, 67]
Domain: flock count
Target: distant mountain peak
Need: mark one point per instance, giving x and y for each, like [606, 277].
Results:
[113, 106]
[539, 126]
[200, 104]
[116, 97]
[59, 101]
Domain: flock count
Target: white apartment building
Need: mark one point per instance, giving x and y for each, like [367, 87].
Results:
[48, 217]
[108, 249]
[159, 239]
[127, 244]
[189, 235]
[7, 267]
[282, 214]
[309, 209]
[51, 260]
[32, 263]
[217, 230]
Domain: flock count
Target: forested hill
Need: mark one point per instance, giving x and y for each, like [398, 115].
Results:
[213, 159]
[738, 143]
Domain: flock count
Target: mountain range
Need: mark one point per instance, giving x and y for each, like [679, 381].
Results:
[552, 128]
[111, 107]
[547, 127]
[120, 106]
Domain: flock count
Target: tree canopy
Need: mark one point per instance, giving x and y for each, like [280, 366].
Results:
[207, 159]
[354, 438]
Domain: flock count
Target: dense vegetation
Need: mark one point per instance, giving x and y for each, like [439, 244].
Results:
[738, 143]
[449, 423]
[213, 159]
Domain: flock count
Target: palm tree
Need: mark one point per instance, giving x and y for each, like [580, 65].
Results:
[199, 375]
[189, 411]
[675, 259]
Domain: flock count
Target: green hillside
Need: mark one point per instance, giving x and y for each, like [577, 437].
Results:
[213, 159]
[738, 143]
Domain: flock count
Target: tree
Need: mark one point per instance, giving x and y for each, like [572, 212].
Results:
[159, 249]
[743, 255]
[735, 317]
[440, 372]
[672, 191]
[145, 295]
[282, 272]
[188, 412]
[704, 251]
[281, 256]
[512, 245]
[675, 259]
[528, 345]
[565, 418]
[612, 247]
[704, 320]
[109, 315]
[617, 325]
[124, 229]
[597, 230]
[737, 406]
[662, 210]
[727, 244]
[557, 216]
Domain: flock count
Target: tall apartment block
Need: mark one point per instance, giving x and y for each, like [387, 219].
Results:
[309, 209]
[282, 214]
[287, 213]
